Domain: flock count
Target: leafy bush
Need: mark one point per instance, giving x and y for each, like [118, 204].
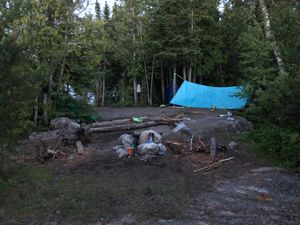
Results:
[75, 108]
[280, 145]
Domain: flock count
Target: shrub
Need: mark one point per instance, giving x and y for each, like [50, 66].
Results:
[280, 145]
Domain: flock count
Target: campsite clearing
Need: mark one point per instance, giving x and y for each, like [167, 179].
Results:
[99, 188]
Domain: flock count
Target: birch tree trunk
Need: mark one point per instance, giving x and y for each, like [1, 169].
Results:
[162, 82]
[190, 72]
[174, 80]
[271, 37]
[184, 71]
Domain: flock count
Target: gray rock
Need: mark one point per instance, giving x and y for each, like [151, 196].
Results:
[181, 126]
[52, 137]
[162, 149]
[64, 123]
[266, 170]
[126, 140]
[232, 145]
[148, 149]
[241, 124]
[117, 147]
[121, 152]
[145, 134]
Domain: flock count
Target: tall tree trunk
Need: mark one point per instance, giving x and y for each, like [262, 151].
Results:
[98, 86]
[221, 74]
[103, 85]
[174, 80]
[123, 92]
[192, 31]
[135, 91]
[135, 96]
[147, 80]
[36, 110]
[50, 85]
[184, 71]
[45, 109]
[162, 82]
[190, 72]
[192, 17]
[271, 37]
[61, 72]
[151, 82]
[46, 99]
[103, 91]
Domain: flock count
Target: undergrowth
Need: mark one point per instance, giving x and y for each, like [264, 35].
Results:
[78, 109]
[280, 146]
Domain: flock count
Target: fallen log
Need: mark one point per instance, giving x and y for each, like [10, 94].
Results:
[130, 121]
[128, 126]
[214, 165]
[111, 123]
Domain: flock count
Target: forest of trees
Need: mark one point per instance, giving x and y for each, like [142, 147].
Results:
[51, 51]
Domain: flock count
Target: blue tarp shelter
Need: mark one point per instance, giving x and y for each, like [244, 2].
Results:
[201, 96]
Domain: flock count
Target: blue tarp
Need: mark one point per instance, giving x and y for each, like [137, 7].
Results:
[201, 96]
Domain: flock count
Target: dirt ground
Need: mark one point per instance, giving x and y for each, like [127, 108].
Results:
[99, 188]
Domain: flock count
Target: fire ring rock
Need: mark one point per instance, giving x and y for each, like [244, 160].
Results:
[148, 149]
[145, 135]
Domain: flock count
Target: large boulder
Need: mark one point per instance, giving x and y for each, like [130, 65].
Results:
[64, 123]
[50, 139]
[241, 124]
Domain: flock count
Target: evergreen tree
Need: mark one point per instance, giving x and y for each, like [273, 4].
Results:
[97, 10]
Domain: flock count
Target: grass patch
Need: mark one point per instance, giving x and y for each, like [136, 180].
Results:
[34, 194]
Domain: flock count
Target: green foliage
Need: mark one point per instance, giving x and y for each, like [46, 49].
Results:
[275, 97]
[75, 108]
[280, 145]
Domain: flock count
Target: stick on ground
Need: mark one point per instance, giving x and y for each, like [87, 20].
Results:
[216, 164]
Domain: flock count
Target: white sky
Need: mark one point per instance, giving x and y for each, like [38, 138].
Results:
[91, 7]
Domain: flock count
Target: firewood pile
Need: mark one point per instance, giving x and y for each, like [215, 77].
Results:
[195, 144]
[182, 140]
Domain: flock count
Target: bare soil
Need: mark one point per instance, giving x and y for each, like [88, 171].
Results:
[99, 188]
